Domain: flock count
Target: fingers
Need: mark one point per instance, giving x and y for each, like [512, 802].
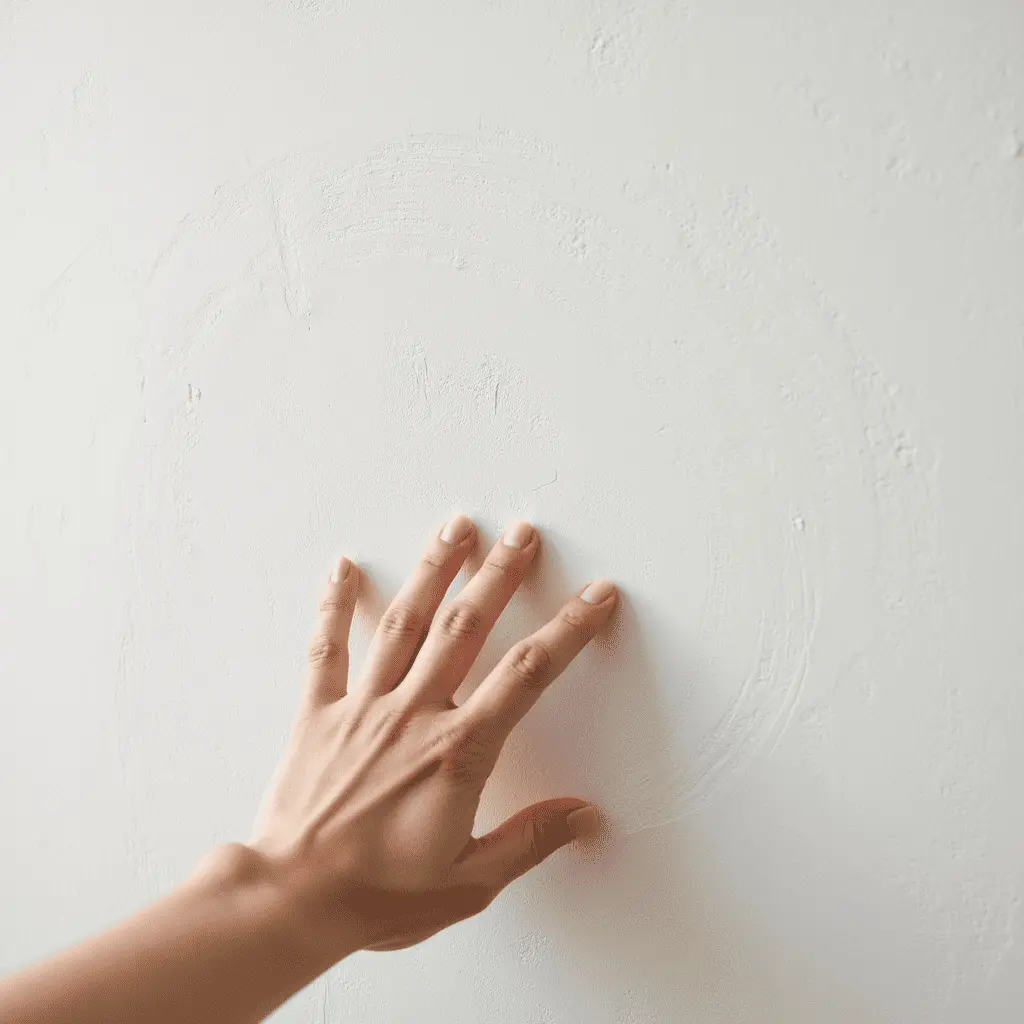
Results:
[328, 649]
[518, 680]
[525, 840]
[405, 622]
[460, 629]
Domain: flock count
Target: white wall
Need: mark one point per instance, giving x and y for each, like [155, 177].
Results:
[725, 296]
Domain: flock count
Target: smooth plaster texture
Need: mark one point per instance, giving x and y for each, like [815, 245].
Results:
[726, 297]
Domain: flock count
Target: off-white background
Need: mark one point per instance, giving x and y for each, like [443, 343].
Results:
[726, 297]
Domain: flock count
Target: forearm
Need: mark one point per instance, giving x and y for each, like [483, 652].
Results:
[226, 947]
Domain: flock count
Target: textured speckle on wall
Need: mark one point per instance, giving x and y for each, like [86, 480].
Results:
[725, 299]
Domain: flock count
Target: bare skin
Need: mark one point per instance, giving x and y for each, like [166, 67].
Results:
[364, 840]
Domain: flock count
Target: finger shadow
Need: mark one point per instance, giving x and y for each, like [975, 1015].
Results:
[371, 602]
[634, 905]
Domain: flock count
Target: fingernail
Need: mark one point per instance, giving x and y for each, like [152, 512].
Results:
[456, 530]
[598, 591]
[517, 535]
[340, 570]
[584, 822]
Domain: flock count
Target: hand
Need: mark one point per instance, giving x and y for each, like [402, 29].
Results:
[369, 819]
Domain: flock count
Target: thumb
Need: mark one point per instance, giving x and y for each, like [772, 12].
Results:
[529, 837]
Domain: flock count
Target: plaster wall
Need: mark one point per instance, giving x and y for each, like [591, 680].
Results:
[725, 297]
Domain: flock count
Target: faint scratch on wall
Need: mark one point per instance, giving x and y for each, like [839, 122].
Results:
[287, 241]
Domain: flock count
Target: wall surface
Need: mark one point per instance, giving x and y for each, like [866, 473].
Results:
[726, 296]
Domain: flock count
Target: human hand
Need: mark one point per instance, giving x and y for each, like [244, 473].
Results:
[368, 822]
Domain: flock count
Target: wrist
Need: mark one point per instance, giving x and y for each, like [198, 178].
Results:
[270, 896]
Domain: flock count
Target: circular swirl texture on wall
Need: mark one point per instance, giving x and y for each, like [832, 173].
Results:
[635, 362]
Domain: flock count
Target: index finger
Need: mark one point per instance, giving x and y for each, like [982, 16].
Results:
[517, 681]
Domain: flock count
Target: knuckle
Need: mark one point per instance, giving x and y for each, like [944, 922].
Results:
[402, 622]
[435, 557]
[530, 662]
[528, 851]
[325, 652]
[460, 621]
[331, 605]
[574, 617]
[499, 565]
